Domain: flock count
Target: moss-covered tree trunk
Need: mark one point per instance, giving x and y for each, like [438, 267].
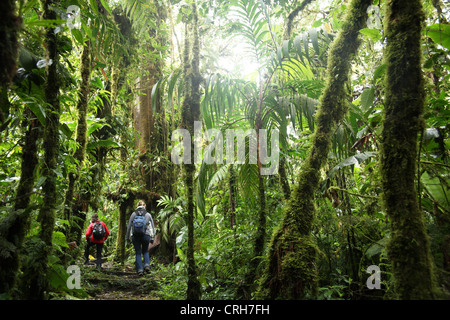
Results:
[409, 248]
[260, 235]
[9, 27]
[37, 273]
[291, 271]
[89, 191]
[81, 139]
[14, 228]
[232, 195]
[283, 178]
[125, 208]
[190, 112]
[149, 114]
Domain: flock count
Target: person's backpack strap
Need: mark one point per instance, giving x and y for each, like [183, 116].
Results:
[98, 230]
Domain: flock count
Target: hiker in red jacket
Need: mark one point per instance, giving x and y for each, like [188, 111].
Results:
[96, 234]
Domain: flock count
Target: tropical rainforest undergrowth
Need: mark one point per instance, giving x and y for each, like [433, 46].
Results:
[348, 99]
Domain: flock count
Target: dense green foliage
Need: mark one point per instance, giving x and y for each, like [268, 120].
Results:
[90, 98]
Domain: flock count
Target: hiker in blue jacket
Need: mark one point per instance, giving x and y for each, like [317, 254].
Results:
[141, 231]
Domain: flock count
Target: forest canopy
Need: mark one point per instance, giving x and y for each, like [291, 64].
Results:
[286, 149]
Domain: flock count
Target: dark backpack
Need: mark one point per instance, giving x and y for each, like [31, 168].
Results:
[98, 231]
[139, 225]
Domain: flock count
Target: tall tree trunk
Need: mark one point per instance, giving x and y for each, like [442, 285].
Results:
[38, 282]
[258, 246]
[89, 192]
[9, 27]
[353, 252]
[409, 247]
[81, 139]
[283, 178]
[191, 112]
[232, 197]
[291, 271]
[260, 235]
[125, 207]
[14, 228]
[152, 141]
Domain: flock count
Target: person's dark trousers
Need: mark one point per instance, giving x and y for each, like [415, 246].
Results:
[140, 244]
[99, 247]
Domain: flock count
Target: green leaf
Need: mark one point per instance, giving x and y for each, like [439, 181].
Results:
[94, 127]
[314, 40]
[357, 158]
[40, 181]
[305, 44]
[94, 6]
[373, 34]
[285, 49]
[172, 81]
[437, 190]
[439, 33]
[59, 239]
[367, 98]
[102, 143]
[155, 90]
[379, 72]
[38, 111]
[181, 239]
[66, 130]
[106, 6]
[45, 23]
[57, 276]
[78, 36]
[376, 248]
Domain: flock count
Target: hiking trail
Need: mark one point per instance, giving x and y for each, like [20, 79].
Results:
[115, 282]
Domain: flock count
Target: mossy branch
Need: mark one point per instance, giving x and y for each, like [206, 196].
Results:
[355, 194]
[291, 272]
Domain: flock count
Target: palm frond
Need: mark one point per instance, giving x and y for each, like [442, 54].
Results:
[253, 27]
[141, 14]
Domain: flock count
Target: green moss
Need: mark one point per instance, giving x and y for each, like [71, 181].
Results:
[81, 139]
[14, 228]
[38, 280]
[291, 272]
[190, 112]
[283, 178]
[9, 27]
[409, 248]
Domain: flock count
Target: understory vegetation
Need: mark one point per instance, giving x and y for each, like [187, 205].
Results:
[348, 99]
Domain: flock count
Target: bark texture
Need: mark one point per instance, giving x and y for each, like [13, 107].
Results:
[191, 112]
[35, 283]
[409, 247]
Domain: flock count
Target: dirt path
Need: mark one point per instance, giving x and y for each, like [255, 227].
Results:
[118, 283]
